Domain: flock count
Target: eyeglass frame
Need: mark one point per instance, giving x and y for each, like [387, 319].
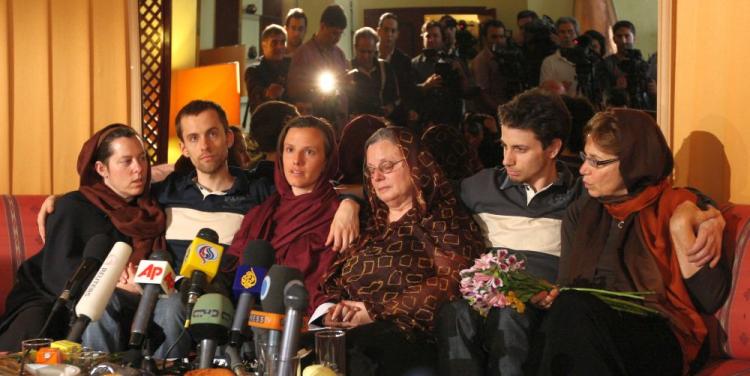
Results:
[595, 163]
[380, 168]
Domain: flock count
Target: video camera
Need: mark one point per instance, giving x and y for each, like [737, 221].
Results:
[511, 62]
[444, 68]
[636, 73]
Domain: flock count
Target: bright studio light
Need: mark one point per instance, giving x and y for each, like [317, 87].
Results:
[326, 82]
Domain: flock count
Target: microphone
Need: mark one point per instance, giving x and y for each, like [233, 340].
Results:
[93, 301]
[94, 253]
[201, 264]
[210, 321]
[272, 300]
[296, 300]
[155, 275]
[257, 258]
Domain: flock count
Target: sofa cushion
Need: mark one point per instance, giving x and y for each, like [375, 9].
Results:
[19, 237]
[733, 319]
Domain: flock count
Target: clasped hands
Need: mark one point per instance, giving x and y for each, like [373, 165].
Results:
[347, 314]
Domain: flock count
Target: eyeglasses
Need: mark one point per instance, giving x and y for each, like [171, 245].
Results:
[595, 163]
[385, 167]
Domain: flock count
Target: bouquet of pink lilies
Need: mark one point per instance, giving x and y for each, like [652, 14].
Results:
[499, 279]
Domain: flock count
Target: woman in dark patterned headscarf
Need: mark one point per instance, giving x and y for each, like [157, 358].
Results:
[390, 284]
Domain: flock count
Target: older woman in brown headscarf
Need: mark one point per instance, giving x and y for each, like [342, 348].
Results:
[620, 236]
[110, 200]
[390, 284]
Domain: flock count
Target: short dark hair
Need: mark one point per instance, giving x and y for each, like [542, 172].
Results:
[541, 112]
[104, 150]
[599, 38]
[621, 24]
[195, 108]
[365, 32]
[295, 13]
[272, 30]
[268, 120]
[527, 14]
[485, 28]
[329, 135]
[429, 25]
[334, 16]
[387, 16]
[447, 21]
[566, 19]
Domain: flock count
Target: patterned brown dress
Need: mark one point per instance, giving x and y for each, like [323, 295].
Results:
[403, 271]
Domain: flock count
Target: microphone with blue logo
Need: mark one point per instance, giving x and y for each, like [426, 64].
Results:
[201, 264]
[257, 258]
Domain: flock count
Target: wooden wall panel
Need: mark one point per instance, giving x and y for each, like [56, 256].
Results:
[71, 88]
[109, 48]
[4, 103]
[29, 20]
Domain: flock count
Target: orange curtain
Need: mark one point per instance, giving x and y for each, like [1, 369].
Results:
[596, 15]
[64, 73]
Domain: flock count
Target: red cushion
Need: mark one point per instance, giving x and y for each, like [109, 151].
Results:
[19, 237]
[726, 367]
[733, 316]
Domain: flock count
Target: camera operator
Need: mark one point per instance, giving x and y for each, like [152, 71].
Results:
[441, 81]
[556, 66]
[488, 73]
[625, 74]
[538, 45]
[401, 64]
[522, 18]
[266, 81]
[371, 84]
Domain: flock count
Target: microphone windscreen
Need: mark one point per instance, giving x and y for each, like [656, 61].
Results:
[296, 296]
[98, 247]
[208, 234]
[97, 295]
[259, 253]
[272, 291]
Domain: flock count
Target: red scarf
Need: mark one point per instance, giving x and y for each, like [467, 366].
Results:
[654, 207]
[296, 226]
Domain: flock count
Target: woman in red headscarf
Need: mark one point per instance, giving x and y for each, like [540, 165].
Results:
[619, 236]
[110, 200]
[296, 219]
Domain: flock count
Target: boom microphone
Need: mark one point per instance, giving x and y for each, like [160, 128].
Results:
[209, 324]
[257, 258]
[296, 300]
[156, 276]
[91, 305]
[201, 264]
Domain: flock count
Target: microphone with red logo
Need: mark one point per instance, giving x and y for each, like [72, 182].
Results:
[155, 275]
[201, 264]
[257, 258]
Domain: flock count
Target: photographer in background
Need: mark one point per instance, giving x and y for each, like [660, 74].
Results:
[371, 84]
[266, 81]
[556, 66]
[440, 79]
[624, 74]
[486, 68]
